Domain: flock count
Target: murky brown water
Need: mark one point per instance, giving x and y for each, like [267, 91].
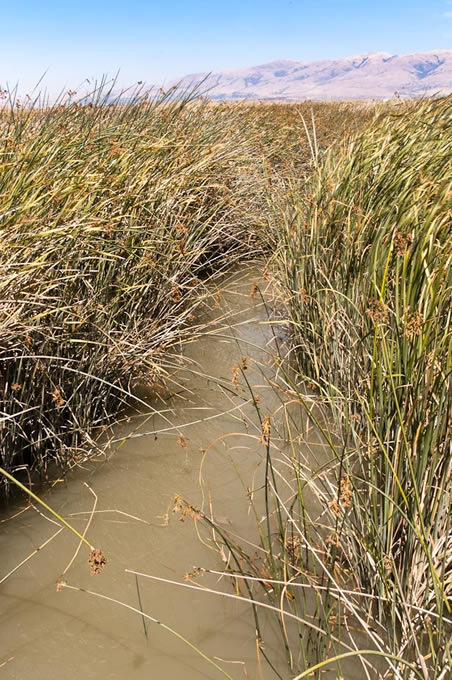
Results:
[70, 634]
[204, 446]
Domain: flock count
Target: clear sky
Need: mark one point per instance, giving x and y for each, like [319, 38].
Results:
[158, 40]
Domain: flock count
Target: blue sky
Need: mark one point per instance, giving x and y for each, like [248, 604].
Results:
[157, 41]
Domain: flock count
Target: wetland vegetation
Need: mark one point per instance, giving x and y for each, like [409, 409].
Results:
[118, 222]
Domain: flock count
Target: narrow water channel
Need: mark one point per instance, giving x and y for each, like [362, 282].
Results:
[72, 634]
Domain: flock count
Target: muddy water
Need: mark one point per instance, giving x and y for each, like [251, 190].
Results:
[72, 634]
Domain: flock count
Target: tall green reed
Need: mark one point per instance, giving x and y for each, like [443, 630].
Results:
[364, 254]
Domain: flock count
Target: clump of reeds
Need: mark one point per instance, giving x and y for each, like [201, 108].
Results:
[113, 214]
[364, 257]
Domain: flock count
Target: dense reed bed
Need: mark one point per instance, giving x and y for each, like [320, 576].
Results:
[364, 253]
[113, 216]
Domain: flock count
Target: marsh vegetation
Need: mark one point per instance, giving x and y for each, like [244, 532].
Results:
[120, 220]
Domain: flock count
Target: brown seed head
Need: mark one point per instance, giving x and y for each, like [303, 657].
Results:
[377, 311]
[401, 241]
[413, 325]
[96, 561]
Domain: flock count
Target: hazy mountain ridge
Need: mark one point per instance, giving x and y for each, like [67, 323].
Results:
[375, 75]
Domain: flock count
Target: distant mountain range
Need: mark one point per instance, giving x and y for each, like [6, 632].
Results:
[377, 75]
